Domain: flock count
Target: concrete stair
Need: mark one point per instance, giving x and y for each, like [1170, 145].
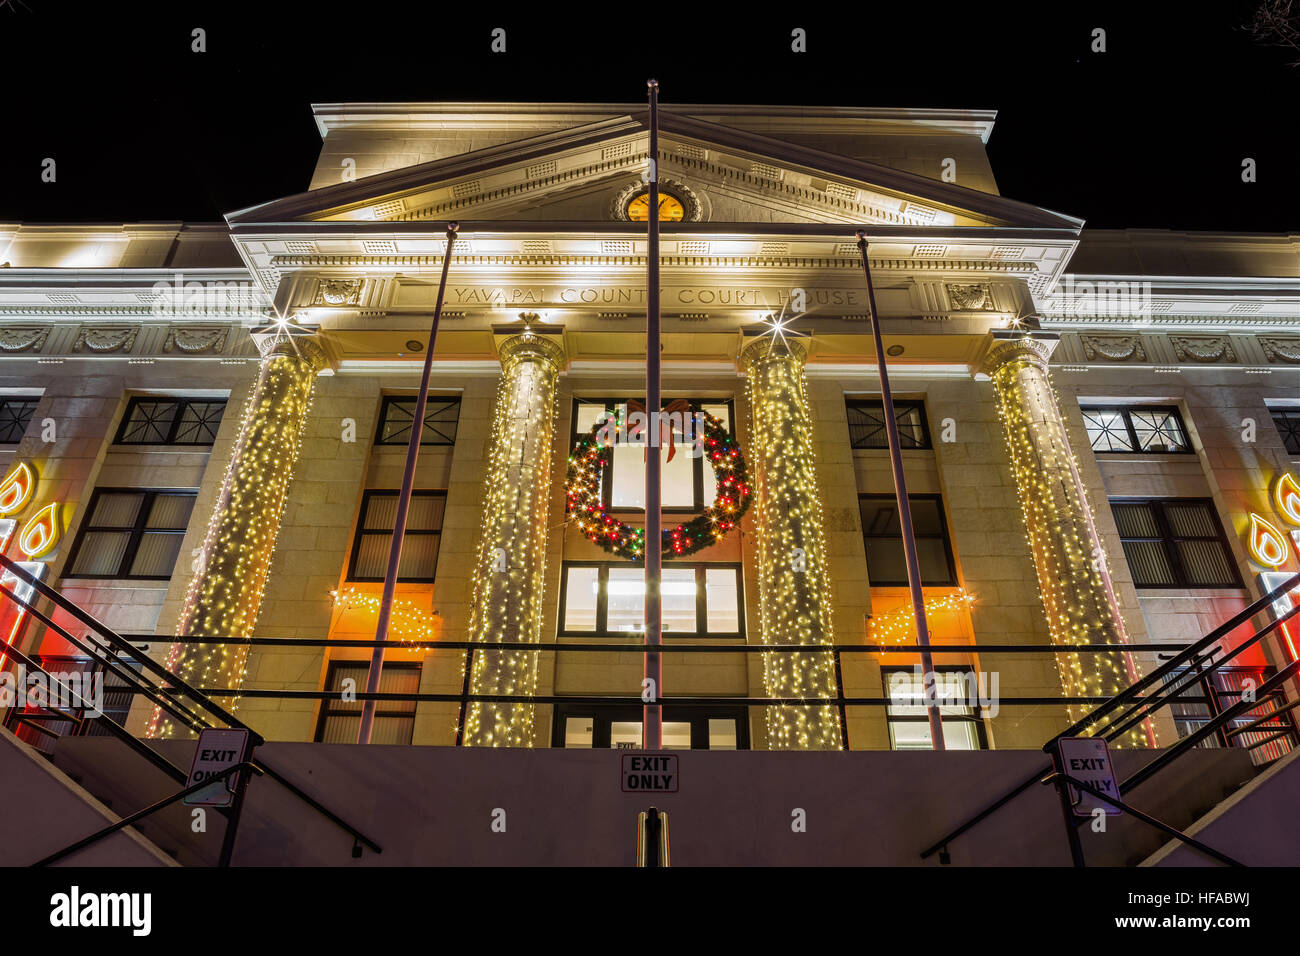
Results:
[47, 810]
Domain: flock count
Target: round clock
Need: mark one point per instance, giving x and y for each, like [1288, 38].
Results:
[670, 208]
[677, 203]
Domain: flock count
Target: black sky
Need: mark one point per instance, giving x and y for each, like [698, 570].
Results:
[1151, 133]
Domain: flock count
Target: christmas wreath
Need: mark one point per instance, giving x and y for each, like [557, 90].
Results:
[593, 454]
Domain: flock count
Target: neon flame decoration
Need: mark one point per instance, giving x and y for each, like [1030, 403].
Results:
[1286, 498]
[1267, 544]
[41, 533]
[16, 489]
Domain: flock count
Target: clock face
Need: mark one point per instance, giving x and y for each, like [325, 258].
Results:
[670, 208]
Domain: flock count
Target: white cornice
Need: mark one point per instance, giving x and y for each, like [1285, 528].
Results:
[526, 116]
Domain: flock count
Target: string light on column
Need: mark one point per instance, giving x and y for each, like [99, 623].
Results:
[1073, 582]
[225, 594]
[793, 570]
[510, 561]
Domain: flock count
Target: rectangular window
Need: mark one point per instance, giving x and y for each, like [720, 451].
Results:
[958, 696]
[886, 566]
[170, 421]
[1287, 421]
[132, 533]
[687, 483]
[867, 424]
[374, 536]
[15, 415]
[619, 728]
[1174, 543]
[394, 723]
[397, 413]
[609, 599]
[1137, 428]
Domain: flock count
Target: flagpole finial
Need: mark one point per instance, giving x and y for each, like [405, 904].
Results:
[453, 227]
[862, 235]
[652, 84]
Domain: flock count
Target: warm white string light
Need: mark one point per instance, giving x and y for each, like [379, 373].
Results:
[1067, 552]
[225, 594]
[510, 562]
[794, 593]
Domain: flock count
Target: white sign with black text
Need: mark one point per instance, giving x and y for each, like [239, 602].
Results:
[1087, 759]
[218, 750]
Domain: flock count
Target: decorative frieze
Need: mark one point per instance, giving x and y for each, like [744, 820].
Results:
[194, 341]
[1280, 348]
[970, 297]
[1202, 348]
[338, 292]
[105, 340]
[23, 339]
[1116, 348]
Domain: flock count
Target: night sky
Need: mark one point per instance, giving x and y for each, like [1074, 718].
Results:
[1151, 133]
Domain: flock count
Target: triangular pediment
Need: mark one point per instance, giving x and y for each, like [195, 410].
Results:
[585, 174]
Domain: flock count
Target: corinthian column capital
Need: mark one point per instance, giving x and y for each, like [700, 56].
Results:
[294, 342]
[764, 349]
[547, 348]
[1004, 349]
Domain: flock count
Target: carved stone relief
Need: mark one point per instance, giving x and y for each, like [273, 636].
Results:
[195, 340]
[105, 340]
[1116, 348]
[1203, 348]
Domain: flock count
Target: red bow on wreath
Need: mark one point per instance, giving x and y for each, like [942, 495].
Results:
[677, 405]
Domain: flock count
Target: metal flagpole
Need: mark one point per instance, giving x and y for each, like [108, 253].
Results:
[403, 505]
[904, 512]
[652, 685]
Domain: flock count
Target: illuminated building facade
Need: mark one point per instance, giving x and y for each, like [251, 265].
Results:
[1089, 420]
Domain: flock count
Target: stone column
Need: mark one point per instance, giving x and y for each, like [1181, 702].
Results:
[511, 560]
[1073, 580]
[794, 593]
[231, 570]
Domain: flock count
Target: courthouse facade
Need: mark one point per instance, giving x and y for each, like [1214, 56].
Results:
[1097, 429]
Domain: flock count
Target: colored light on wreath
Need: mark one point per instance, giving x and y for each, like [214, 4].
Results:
[585, 478]
[1286, 498]
[1267, 544]
[16, 489]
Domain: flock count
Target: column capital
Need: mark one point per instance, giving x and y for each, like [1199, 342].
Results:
[296, 342]
[1013, 345]
[532, 345]
[763, 349]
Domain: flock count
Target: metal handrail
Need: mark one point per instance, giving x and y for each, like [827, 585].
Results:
[1144, 817]
[113, 638]
[116, 729]
[147, 811]
[158, 693]
[1227, 627]
[1190, 652]
[1146, 706]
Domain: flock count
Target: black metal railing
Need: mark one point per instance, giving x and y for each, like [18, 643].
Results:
[1181, 680]
[195, 710]
[1129, 708]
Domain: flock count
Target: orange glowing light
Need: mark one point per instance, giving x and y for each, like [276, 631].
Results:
[1267, 544]
[1286, 498]
[16, 489]
[41, 533]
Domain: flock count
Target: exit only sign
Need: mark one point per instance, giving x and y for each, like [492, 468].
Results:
[649, 773]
